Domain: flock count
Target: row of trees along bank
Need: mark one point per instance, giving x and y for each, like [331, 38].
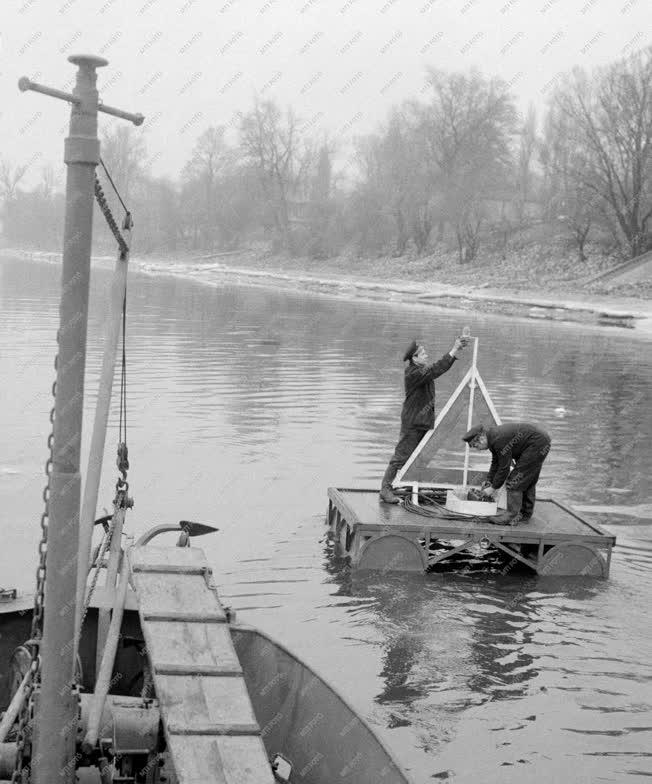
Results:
[458, 166]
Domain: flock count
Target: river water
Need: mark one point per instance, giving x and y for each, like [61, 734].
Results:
[245, 404]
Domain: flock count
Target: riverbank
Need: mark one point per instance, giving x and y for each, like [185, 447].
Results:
[435, 281]
[522, 285]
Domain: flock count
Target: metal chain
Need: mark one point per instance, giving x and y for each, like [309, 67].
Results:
[23, 736]
[122, 485]
[106, 211]
[21, 774]
[148, 682]
[105, 544]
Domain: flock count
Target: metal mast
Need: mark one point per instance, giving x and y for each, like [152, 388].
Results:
[55, 724]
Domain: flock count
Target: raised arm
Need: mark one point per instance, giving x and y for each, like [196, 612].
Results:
[424, 374]
[427, 373]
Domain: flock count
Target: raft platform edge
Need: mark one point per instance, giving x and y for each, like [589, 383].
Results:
[387, 537]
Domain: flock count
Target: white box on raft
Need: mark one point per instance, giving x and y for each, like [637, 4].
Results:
[456, 501]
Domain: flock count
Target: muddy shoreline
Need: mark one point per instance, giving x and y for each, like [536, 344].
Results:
[636, 315]
[255, 269]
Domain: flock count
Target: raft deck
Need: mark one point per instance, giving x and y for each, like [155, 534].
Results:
[387, 537]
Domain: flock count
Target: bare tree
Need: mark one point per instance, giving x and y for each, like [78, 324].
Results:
[277, 148]
[10, 177]
[578, 212]
[370, 224]
[610, 117]
[395, 192]
[467, 127]
[395, 177]
[413, 180]
[568, 200]
[211, 160]
[321, 208]
[124, 153]
[527, 149]
[158, 217]
[49, 181]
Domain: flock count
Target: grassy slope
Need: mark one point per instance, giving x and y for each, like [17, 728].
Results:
[540, 266]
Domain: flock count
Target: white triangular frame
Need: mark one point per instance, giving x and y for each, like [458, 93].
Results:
[471, 379]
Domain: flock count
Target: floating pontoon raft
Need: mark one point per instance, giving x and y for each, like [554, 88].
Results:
[557, 541]
[411, 537]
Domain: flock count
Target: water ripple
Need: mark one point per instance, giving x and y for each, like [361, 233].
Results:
[245, 404]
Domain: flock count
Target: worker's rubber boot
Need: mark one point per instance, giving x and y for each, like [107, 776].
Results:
[513, 511]
[388, 496]
[529, 499]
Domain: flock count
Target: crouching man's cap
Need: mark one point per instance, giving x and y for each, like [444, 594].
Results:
[476, 430]
[412, 350]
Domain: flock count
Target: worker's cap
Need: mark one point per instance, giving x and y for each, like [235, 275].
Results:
[476, 430]
[412, 350]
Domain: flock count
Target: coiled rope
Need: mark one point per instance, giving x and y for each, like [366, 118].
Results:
[428, 507]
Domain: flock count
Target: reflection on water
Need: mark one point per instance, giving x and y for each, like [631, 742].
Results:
[246, 404]
[498, 676]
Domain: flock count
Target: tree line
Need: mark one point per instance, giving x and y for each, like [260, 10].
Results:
[459, 166]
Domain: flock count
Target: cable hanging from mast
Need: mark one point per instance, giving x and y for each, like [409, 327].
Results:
[121, 501]
[122, 486]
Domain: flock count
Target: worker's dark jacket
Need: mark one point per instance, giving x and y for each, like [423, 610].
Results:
[518, 441]
[419, 405]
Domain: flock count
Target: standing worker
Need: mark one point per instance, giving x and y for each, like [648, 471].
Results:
[418, 414]
[528, 446]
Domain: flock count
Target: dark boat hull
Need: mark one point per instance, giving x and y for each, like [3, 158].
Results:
[301, 717]
[306, 721]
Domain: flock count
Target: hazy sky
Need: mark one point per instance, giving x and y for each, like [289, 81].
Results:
[341, 64]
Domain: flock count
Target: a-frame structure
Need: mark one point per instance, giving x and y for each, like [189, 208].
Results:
[437, 460]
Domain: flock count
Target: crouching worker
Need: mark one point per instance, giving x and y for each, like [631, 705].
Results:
[418, 414]
[528, 446]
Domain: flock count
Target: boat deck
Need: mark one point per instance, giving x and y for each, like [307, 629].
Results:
[556, 541]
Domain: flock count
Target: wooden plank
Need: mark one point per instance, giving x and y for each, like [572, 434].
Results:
[182, 644]
[209, 724]
[228, 730]
[161, 594]
[192, 670]
[105, 598]
[173, 556]
[196, 703]
[185, 617]
[171, 568]
[220, 760]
